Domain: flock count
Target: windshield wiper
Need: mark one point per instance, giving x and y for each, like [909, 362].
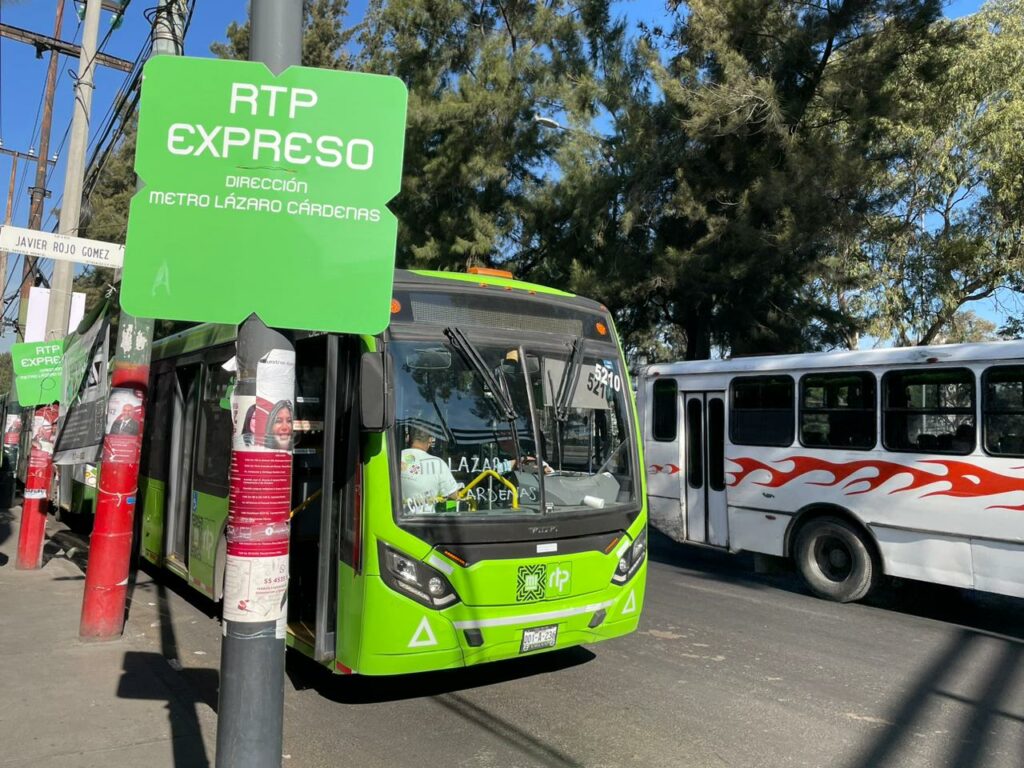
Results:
[570, 378]
[465, 347]
[500, 391]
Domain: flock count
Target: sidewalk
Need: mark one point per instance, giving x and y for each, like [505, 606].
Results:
[91, 704]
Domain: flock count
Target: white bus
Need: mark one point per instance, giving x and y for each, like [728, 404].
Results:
[907, 462]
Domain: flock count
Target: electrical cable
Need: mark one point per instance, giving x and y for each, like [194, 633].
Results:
[38, 127]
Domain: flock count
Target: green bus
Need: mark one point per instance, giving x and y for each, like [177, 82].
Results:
[467, 486]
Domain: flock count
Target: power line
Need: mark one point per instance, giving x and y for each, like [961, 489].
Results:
[36, 129]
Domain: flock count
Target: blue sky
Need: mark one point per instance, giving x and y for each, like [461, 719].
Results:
[22, 76]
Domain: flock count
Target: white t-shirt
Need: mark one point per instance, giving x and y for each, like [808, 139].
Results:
[424, 478]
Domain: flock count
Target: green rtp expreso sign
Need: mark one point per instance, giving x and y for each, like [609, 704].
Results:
[38, 371]
[265, 194]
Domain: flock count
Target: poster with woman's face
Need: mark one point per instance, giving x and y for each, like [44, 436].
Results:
[265, 421]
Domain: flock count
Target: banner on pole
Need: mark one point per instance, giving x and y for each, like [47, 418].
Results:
[80, 433]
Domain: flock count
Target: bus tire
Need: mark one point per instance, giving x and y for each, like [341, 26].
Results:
[835, 560]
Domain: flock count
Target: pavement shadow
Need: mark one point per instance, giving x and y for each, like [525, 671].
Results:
[63, 544]
[987, 705]
[185, 688]
[513, 735]
[304, 674]
[6, 518]
[982, 611]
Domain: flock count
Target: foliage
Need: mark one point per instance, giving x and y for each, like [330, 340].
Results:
[110, 196]
[323, 41]
[952, 232]
[6, 373]
[479, 168]
[749, 177]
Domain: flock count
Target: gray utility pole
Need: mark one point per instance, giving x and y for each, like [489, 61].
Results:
[71, 204]
[106, 579]
[250, 713]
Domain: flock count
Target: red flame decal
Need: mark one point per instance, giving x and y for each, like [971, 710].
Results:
[670, 469]
[962, 479]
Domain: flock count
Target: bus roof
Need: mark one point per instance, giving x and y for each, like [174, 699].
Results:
[502, 282]
[208, 334]
[937, 353]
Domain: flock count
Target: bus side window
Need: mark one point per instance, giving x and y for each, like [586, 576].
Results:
[762, 411]
[929, 411]
[837, 410]
[1002, 414]
[213, 455]
[157, 434]
[665, 410]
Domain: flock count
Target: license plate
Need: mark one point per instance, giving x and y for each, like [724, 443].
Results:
[539, 637]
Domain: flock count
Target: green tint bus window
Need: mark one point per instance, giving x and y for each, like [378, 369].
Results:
[762, 411]
[214, 442]
[716, 444]
[665, 410]
[1003, 410]
[157, 432]
[694, 444]
[837, 410]
[929, 411]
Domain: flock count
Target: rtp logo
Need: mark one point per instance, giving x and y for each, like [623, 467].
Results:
[530, 583]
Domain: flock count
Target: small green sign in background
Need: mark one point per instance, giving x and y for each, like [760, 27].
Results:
[38, 368]
[265, 194]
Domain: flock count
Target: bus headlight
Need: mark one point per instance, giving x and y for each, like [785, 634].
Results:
[631, 559]
[415, 579]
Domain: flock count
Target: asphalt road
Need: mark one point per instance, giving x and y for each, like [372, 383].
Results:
[729, 668]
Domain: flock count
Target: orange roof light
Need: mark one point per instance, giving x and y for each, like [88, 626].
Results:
[601, 328]
[491, 272]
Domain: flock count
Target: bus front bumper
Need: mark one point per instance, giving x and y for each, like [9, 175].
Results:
[407, 637]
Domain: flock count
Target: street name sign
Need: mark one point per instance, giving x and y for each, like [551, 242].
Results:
[38, 371]
[265, 194]
[48, 245]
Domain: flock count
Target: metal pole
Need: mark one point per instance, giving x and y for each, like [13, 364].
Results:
[106, 577]
[71, 203]
[7, 220]
[250, 723]
[37, 482]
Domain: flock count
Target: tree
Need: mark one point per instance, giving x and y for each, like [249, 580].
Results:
[323, 39]
[112, 191]
[6, 373]
[479, 168]
[761, 168]
[953, 230]
[966, 326]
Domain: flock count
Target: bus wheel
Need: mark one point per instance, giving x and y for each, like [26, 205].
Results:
[834, 560]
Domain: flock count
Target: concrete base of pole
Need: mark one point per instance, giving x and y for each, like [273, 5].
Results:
[252, 689]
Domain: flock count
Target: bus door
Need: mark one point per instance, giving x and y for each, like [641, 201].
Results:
[323, 381]
[704, 471]
[179, 481]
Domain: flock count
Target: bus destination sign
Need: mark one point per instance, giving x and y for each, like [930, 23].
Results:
[265, 194]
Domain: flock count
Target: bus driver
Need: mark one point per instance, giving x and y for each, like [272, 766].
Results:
[425, 477]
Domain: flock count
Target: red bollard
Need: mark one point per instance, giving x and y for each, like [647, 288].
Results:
[106, 577]
[37, 488]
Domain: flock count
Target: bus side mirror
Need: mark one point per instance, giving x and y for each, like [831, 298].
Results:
[376, 403]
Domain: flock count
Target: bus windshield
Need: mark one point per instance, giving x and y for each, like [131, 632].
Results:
[497, 429]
